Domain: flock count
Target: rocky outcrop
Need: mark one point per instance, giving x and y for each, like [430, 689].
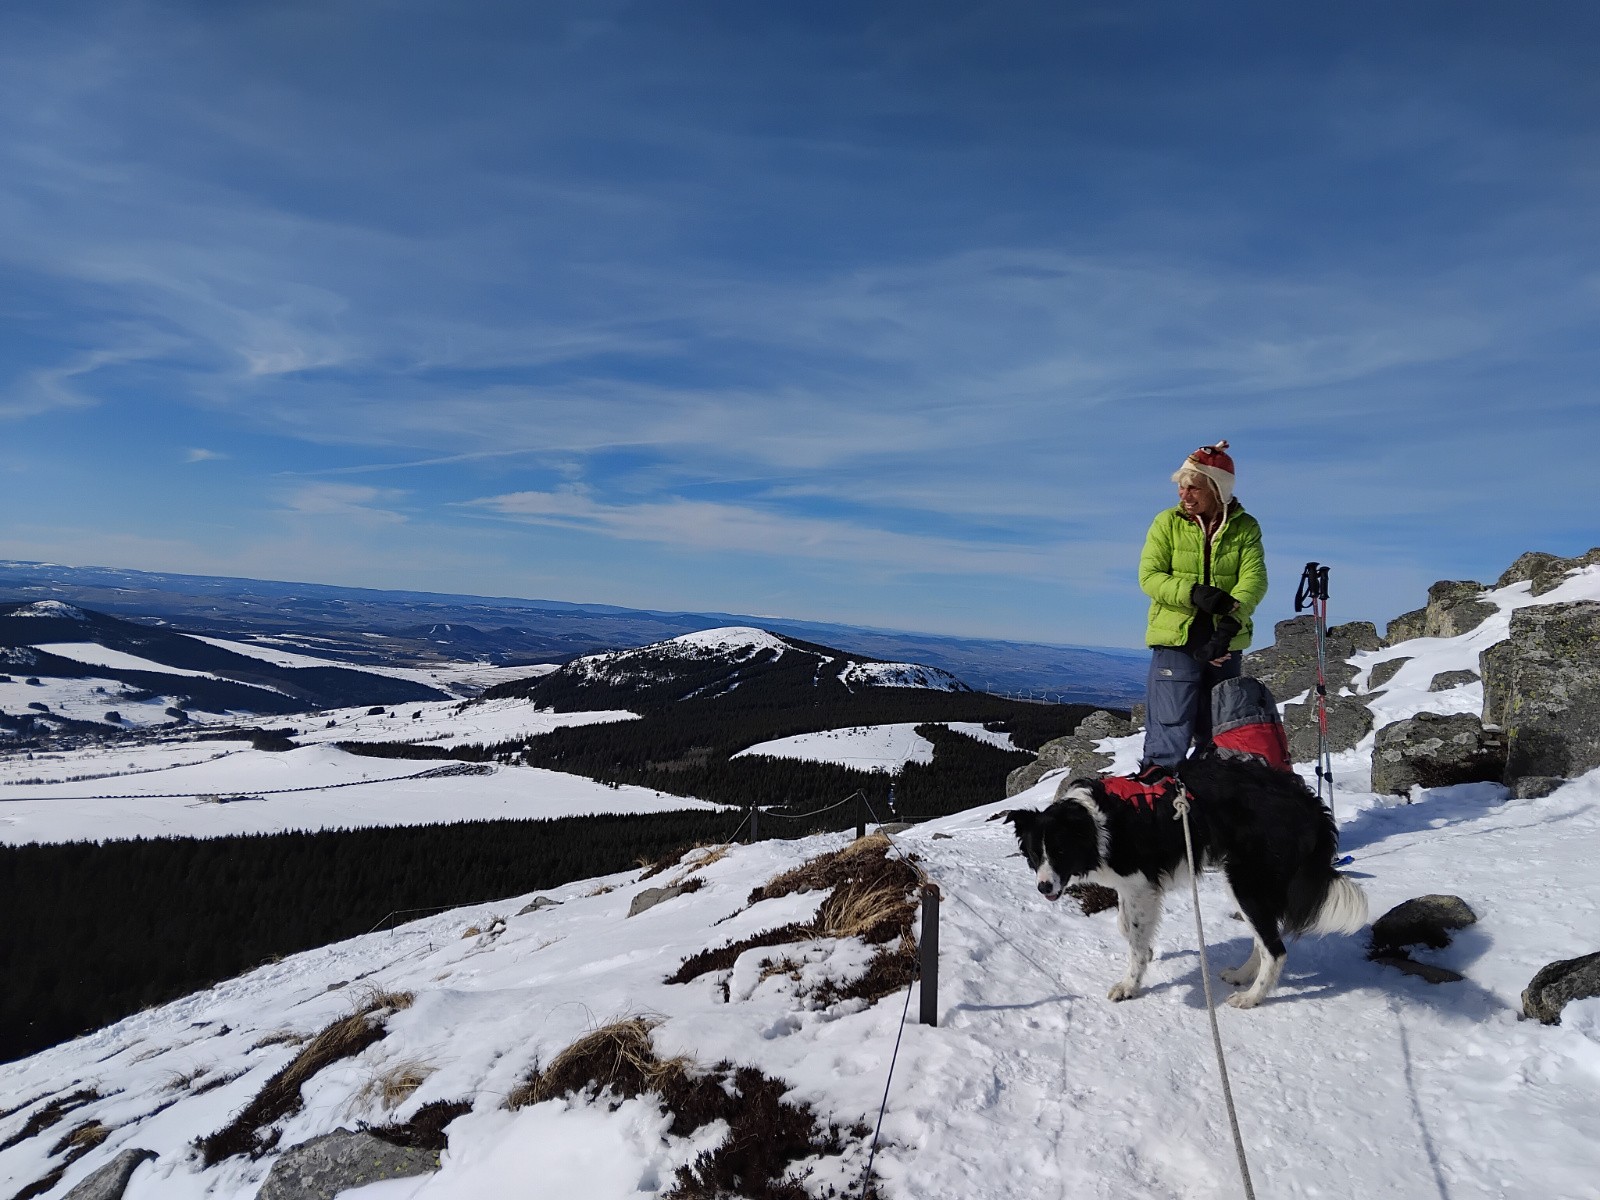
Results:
[1406, 626]
[1542, 686]
[1560, 983]
[1545, 571]
[325, 1166]
[1445, 680]
[1454, 607]
[1289, 666]
[534, 905]
[1349, 720]
[111, 1180]
[1076, 753]
[1431, 750]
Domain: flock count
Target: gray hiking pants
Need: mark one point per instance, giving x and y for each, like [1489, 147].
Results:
[1178, 703]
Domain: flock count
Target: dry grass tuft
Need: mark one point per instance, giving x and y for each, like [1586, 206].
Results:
[81, 1139]
[603, 890]
[280, 1096]
[281, 1037]
[617, 1056]
[872, 910]
[51, 1114]
[426, 1128]
[180, 1080]
[392, 1087]
[872, 897]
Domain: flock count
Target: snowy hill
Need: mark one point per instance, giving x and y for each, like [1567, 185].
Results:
[1353, 1080]
[762, 666]
[97, 664]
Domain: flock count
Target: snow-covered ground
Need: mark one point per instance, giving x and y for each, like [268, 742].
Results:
[1353, 1080]
[216, 789]
[870, 747]
[460, 679]
[84, 700]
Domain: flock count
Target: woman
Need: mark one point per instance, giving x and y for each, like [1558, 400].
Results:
[1204, 571]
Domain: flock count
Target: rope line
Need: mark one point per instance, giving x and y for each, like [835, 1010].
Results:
[1181, 805]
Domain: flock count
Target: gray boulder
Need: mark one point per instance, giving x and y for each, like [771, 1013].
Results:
[1542, 686]
[536, 904]
[1445, 680]
[1406, 626]
[651, 897]
[325, 1166]
[1432, 751]
[1545, 571]
[1289, 666]
[1349, 720]
[111, 1180]
[1136, 716]
[1102, 724]
[1455, 606]
[1423, 921]
[1383, 672]
[1535, 787]
[1076, 752]
[1560, 983]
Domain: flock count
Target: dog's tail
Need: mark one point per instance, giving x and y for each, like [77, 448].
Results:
[1325, 901]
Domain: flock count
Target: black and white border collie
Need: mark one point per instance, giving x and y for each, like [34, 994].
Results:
[1271, 836]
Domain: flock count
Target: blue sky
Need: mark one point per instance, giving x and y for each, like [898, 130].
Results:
[897, 314]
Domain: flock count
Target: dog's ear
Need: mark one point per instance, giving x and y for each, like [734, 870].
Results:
[1020, 818]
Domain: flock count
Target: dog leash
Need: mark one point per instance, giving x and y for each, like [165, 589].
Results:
[1180, 805]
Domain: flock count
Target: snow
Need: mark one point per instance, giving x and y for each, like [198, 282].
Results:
[870, 747]
[93, 654]
[217, 789]
[1352, 1080]
[910, 675]
[740, 639]
[462, 679]
[82, 699]
[51, 608]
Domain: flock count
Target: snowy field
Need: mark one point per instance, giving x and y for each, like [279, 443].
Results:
[870, 747]
[1354, 1080]
[460, 679]
[216, 789]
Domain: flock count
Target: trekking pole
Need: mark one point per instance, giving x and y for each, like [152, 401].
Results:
[1313, 594]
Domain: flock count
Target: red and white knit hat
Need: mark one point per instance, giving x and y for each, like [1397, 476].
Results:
[1213, 462]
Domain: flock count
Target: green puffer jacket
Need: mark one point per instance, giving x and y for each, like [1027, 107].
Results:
[1176, 557]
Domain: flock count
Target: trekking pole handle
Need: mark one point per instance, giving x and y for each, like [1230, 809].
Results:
[1313, 586]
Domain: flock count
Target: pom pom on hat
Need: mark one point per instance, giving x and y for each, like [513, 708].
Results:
[1215, 464]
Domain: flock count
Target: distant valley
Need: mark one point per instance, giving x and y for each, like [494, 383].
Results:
[367, 628]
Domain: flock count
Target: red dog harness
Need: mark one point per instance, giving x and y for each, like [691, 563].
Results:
[1144, 789]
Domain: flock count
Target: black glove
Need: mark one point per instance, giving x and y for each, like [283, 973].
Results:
[1217, 646]
[1212, 600]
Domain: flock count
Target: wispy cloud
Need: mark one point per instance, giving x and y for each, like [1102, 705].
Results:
[346, 502]
[196, 454]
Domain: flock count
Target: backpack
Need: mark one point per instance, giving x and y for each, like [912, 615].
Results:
[1245, 722]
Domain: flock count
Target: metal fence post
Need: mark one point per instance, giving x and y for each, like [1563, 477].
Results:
[928, 951]
[755, 823]
[861, 815]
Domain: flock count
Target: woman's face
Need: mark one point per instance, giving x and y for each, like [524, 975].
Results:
[1197, 499]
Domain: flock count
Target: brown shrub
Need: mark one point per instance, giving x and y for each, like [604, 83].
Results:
[425, 1129]
[766, 1134]
[51, 1114]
